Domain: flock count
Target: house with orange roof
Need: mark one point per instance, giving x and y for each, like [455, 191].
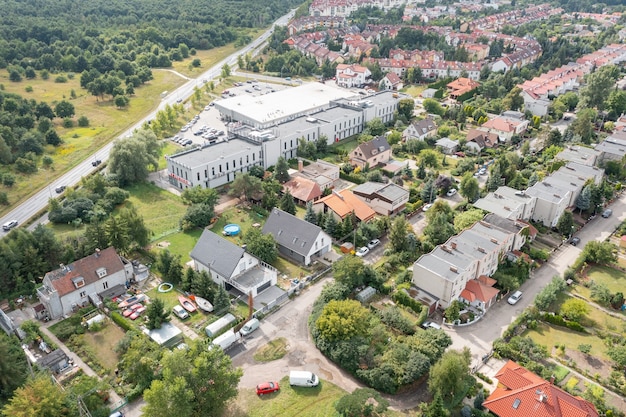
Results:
[461, 86]
[391, 81]
[103, 274]
[505, 127]
[343, 203]
[521, 393]
[477, 140]
[480, 293]
[302, 189]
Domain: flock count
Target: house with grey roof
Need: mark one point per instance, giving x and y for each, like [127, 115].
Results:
[231, 266]
[584, 171]
[373, 153]
[447, 145]
[420, 130]
[297, 239]
[509, 203]
[579, 154]
[385, 199]
[552, 200]
[612, 148]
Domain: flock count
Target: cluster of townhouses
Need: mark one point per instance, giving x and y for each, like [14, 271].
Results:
[512, 18]
[262, 129]
[538, 92]
[343, 8]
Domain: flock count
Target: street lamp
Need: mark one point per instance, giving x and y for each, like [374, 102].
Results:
[281, 71]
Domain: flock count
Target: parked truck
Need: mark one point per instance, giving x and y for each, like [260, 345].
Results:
[303, 379]
[225, 340]
[220, 324]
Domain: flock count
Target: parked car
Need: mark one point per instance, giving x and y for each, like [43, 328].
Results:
[513, 299]
[482, 171]
[373, 243]
[117, 414]
[60, 189]
[180, 312]
[607, 213]
[362, 252]
[575, 241]
[431, 325]
[9, 225]
[137, 313]
[427, 207]
[451, 192]
[303, 379]
[267, 388]
[187, 142]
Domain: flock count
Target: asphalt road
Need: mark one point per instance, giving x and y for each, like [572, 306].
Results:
[480, 336]
[39, 201]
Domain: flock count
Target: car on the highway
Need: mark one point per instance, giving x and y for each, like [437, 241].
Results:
[575, 241]
[267, 388]
[373, 243]
[513, 299]
[60, 189]
[362, 252]
[451, 192]
[9, 225]
[96, 162]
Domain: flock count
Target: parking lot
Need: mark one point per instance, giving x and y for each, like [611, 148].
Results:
[207, 127]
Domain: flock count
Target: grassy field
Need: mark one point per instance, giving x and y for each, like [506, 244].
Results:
[106, 122]
[103, 343]
[179, 243]
[289, 401]
[272, 350]
[160, 209]
[414, 90]
[612, 278]
[552, 335]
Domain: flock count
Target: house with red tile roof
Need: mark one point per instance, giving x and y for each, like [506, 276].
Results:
[343, 203]
[480, 293]
[505, 127]
[521, 393]
[302, 189]
[391, 81]
[91, 279]
[352, 75]
[461, 86]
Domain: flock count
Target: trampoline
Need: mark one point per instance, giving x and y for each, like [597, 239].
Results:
[231, 230]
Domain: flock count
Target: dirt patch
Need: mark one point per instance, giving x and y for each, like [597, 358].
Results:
[163, 244]
[588, 363]
[103, 343]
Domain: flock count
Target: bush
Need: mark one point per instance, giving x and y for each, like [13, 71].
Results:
[538, 254]
[68, 123]
[60, 79]
[83, 121]
[401, 297]
[558, 320]
[120, 321]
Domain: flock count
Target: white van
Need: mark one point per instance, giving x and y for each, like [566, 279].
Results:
[303, 379]
[250, 326]
[180, 312]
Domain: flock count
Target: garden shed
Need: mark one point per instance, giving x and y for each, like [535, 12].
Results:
[167, 335]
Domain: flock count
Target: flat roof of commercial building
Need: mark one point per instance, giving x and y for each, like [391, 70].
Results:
[202, 156]
[281, 104]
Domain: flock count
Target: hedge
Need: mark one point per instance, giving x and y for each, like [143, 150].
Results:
[352, 178]
[401, 297]
[120, 321]
[560, 321]
[466, 96]
[438, 93]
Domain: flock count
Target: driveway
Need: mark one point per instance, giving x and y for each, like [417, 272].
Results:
[480, 336]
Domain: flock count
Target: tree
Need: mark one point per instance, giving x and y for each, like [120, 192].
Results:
[13, 366]
[199, 195]
[156, 314]
[467, 218]
[352, 272]
[262, 246]
[574, 309]
[435, 408]
[616, 103]
[130, 157]
[287, 204]
[310, 215]
[583, 124]
[555, 138]
[40, 397]
[221, 302]
[225, 71]
[429, 191]
[342, 320]
[64, 109]
[137, 230]
[281, 170]
[448, 376]
[432, 106]
[245, 186]
[406, 107]
[430, 157]
[583, 201]
[565, 224]
[469, 187]
[195, 382]
[439, 229]
[479, 400]
[598, 87]
[271, 190]
[362, 402]
[495, 178]
[603, 253]
[513, 100]
[197, 215]
[398, 233]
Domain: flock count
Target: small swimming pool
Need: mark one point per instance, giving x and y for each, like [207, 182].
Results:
[231, 230]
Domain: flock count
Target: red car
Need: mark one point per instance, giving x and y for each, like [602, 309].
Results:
[137, 313]
[267, 388]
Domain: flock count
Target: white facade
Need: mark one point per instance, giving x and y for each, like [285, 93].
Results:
[551, 203]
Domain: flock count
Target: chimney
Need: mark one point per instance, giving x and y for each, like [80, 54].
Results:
[300, 165]
[482, 250]
[453, 245]
[97, 253]
[552, 379]
[62, 267]
[453, 269]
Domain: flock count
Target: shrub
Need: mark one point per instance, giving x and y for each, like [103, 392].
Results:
[120, 321]
[83, 121]
[67, 122]
[401, 297]
[538, 254]
[60, 79]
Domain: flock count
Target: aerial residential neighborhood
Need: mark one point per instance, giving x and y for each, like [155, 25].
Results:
[336, 208]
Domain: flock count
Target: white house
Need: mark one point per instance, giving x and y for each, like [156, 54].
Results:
[352, 75]
[91, 279]
[231, 266]
[509, 203]
[420, 130]
[552, 200]
[297, 239]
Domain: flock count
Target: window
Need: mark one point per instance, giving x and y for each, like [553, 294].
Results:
[105, 284]
[102, 272]
[83, 294]
[78, 282]
[198, 174]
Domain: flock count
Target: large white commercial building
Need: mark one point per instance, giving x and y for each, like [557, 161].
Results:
[262, 129]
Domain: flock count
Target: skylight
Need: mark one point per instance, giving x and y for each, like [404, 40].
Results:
[516, 403]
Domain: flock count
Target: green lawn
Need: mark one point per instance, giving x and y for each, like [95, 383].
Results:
[612, 278]
[160, 209]
[553, 335]
[414, 90]
[103, 342]
[289, 401]
[179, 243]
[196, 321]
